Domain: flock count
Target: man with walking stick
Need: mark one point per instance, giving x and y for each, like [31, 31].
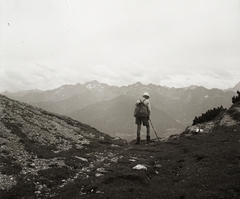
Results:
[142, 114]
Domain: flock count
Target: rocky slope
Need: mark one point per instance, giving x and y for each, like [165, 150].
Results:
[45, 155]
[42, 152]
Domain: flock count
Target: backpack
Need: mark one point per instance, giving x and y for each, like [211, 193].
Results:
[141, 110]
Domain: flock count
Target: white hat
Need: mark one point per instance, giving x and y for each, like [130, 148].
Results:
[145, 94]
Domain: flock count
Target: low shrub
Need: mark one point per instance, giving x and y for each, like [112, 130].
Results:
[236, 99]
[209, 115]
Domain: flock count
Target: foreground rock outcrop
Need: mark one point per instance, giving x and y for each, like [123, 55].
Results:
[45, 155]
[229, 118]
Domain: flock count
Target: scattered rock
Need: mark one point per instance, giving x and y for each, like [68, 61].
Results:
[83, 159]
[98, 174]
[140, 167]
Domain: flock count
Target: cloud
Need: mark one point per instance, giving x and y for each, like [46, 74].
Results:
[175, 43]
[39, 76]
[211, 79]
[36, 77]
[220, 74]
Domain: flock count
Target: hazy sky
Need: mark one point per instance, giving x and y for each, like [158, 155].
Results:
[47, 43]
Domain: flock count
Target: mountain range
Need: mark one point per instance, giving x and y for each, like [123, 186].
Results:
[110, 108]
[48, 155]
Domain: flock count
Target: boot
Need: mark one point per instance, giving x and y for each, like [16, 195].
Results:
[148, 139]
[138, 140]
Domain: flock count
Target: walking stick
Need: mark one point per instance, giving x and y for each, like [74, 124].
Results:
[154, 130]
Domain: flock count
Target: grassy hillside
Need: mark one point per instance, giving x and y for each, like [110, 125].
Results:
[45, 155]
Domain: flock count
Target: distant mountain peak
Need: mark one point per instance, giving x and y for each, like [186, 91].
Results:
[138, 84]
[92, 85]
[236, 87]
[193, 87]
[92, 82]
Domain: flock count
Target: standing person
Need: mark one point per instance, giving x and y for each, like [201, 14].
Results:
[142, 115]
